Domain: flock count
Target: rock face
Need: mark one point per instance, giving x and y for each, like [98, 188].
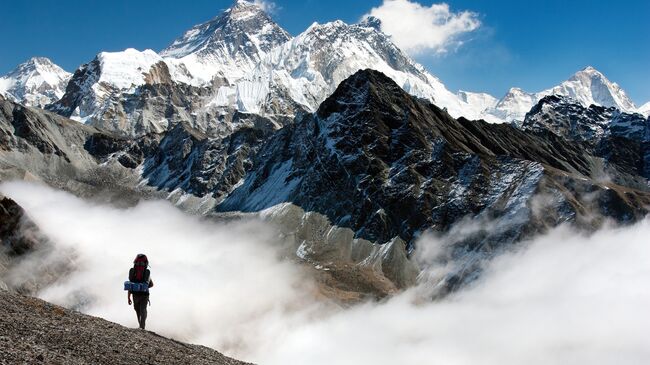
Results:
[50, 334]
[36, 82]
[566, 117]
[189, 160]
[133, 93]
[18, 234]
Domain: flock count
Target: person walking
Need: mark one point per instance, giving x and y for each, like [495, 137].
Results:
[140, 278]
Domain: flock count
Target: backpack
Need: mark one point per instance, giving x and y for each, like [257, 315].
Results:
[139, 272]
[138, 275]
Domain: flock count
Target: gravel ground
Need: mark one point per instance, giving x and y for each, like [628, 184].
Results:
[33, 331]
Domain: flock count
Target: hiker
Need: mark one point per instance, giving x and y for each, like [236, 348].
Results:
[138, 286]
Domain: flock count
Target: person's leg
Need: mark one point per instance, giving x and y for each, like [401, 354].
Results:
[143, 311]
[136, 306]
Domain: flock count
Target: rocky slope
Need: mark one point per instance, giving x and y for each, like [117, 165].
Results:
[18, 236]
[36, 82]
[50, 334]
[41, 146]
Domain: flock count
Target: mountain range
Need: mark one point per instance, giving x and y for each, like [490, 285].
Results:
[243, 61]
[354, 149]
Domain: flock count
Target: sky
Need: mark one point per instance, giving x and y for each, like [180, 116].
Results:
[474, 45]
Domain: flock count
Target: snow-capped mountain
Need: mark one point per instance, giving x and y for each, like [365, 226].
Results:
[36, 82]
[481, 100]
[620, 138]
[645, 109]
[304, 70]
[513, 106]
[568, 118]
[310, 66]
[477, 103]
[240, 61]
[230, 45]
[587, 87]
[108, 92]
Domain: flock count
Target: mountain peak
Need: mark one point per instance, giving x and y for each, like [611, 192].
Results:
[242, 23]
[231, 44]
[371, 22]
[587, 86]
[35, 82]
[645, 109]
[589, 72]
[589, 69]
[243, 9]
[516, 91]
[39, 61]
[590, 86]
[360, 89]
[37, 64]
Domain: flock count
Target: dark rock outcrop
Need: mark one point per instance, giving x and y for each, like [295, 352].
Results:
[18, 234]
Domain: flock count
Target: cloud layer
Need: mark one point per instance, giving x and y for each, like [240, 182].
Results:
[562, 298]
[416, 28]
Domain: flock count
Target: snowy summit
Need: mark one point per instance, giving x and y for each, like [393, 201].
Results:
[36, 82]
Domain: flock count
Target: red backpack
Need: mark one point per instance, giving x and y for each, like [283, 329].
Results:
[139, 272]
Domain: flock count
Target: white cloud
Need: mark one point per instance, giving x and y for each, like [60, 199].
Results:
[219, 285]
[416, 28]
[564, 298]
[268, 6]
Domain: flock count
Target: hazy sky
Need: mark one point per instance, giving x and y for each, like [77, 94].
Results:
[473, 45]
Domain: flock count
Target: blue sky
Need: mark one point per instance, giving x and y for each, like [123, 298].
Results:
[532, 45]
